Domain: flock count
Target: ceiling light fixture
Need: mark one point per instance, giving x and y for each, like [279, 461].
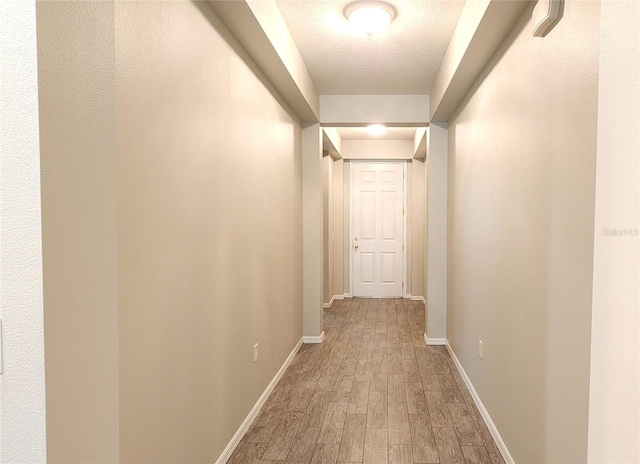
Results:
[376, 129]
[370, 18]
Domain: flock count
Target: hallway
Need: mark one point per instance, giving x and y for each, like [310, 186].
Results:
[373, 392]
[179, 187]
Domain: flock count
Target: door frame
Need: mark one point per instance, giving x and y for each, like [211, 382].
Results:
[351, 220]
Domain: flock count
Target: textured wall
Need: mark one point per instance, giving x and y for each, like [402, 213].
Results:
[346, 239]
[436, 289]
[417, 198]
[522, 152]
[339, 230]
[312, 231]
[79, 223]
[209, 229]
[328, 212]
[614, 401]
[363, 109]
[377, 149]
[22, 385]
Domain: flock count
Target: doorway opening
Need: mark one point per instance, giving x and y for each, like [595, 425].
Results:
[378, 229]
[374, 189]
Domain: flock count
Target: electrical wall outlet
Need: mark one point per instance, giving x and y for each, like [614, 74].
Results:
[480, 349]
[255, 352]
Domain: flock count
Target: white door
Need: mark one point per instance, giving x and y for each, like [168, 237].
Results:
[378, 229]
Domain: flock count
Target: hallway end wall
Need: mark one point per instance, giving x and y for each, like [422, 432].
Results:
[210, 232]
[341, 227]
[522, 149]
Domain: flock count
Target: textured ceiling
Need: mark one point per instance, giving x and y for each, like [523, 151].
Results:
[404, 60]
[392, 133]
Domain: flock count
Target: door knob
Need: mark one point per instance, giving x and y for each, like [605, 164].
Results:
[357, 246]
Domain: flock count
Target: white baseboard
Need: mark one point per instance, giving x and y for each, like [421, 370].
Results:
[312, 339]
[333, 298]
[418, 298]
[228, 451]
[347, 295]
[483, 411]
[434, 341]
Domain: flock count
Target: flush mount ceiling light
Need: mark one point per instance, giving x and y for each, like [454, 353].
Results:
[376, 129]
[370, 18]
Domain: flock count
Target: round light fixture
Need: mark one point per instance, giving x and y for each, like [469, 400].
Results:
[370, 18]
[376, 129]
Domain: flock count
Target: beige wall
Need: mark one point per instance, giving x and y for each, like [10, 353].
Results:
[425, 243]
[406, 290]
[312, 233]
[416, 228]
[327, 209]
[339, 222]
[436, 310]
[346, 239]
[370, 109]
[334, 228]
[521, 218]
[79, 223]
[377, 149]
[210, 232]
[614, 396]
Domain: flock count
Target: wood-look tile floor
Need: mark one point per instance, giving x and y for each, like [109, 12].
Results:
[373, 392]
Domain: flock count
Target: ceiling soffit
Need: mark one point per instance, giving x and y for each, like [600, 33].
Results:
[404, 60]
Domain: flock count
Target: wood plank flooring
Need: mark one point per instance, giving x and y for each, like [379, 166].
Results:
[372, 393]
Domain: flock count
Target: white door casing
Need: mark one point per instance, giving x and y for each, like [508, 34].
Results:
[378, 229]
